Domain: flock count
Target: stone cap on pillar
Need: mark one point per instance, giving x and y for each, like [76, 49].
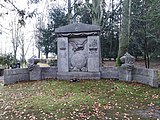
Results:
[77, 29]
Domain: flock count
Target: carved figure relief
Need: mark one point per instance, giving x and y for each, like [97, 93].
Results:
[78, 60]
[77, 46]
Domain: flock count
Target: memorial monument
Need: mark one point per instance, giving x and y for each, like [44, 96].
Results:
[78, 51]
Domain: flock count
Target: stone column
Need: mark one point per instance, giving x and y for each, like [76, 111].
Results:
[94, 54]
[63, 54]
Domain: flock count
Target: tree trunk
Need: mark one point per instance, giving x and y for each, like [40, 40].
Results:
[147, 59]
[47, 55]
[69, 11]
[39, 53]
[146, 52]
[129, 22]
[15, 55]
[124, 36]
[97, 12]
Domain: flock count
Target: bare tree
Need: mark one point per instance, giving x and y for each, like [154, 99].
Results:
[22, 46]
[15, 30]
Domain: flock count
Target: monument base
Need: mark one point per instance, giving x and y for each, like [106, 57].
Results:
[78, 75]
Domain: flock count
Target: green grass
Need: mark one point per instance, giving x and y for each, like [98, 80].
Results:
[87, 99]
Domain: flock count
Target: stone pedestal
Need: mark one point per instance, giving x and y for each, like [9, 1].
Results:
[125, 72]
[35, 73]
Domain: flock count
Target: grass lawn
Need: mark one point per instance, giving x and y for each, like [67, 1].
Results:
[87, 99]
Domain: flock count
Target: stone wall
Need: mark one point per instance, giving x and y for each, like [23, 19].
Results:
[110, 72]
[15, 75]
[23, 74]
[141, 75]
[49, 72]
[146, 76]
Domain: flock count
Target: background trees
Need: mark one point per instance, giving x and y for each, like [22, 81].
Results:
[46, 36]
[6, 60]
[46, 40]
[130, 25]
[144, 21]
[126, 25]
[138, 33]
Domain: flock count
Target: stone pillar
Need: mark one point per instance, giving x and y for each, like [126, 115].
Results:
[155, 81]
[93, 54]
[35, 73]
[63, 54]
[127, 73]
[126, 68]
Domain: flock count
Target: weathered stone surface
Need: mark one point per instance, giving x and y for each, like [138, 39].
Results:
[125, 74]
[15, 71]
[127, 59]
[35, 74]
[109, 72]
[78, 75]
[93, 54]
[77, 27]
[63, 54]
[125, 71]
[146, 76]
[32, 62]
[49, 72]
[15, 75]
[80, 54]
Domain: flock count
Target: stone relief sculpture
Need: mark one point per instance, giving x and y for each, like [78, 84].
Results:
[93, 47]
[77, 46]
[78, 61]
[93, 44]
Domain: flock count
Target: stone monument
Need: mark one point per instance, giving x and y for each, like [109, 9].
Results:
[127, 67]
[78, 51]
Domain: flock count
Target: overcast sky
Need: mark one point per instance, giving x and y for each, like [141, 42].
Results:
[8, 16]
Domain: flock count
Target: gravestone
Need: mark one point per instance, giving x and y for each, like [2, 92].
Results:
[78, 51]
